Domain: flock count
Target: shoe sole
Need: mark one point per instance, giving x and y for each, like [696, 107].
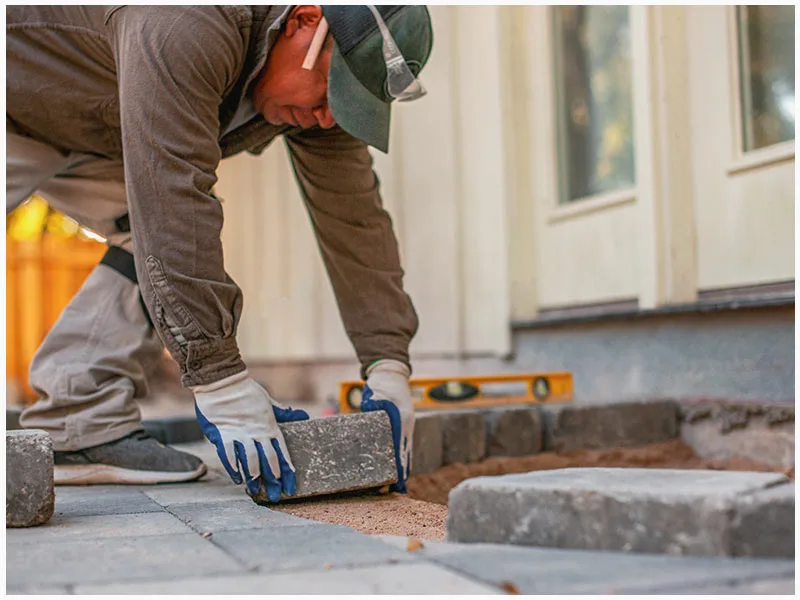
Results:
[99, 474]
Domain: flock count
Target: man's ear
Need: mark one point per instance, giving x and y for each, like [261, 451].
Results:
[306, 16]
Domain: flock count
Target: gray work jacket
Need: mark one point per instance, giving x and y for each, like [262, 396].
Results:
[154, 87]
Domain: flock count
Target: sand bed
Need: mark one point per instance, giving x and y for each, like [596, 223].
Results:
[394, 514]
[422, 513]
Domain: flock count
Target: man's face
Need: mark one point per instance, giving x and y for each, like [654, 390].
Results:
[286, 93]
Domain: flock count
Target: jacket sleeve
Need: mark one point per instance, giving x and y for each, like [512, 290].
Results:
[357, 242]
[174, 66]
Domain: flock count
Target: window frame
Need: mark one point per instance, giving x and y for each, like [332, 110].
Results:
[566, 207]
[742, 160]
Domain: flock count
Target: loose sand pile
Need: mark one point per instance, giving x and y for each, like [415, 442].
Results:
[422, 513]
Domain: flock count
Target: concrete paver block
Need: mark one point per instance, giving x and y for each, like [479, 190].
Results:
[219, 488]
[231, 515]
[513, 432]
[660, 511]
[117, 559]
[571, 427]
[121, 502]
[308, 548]
[337, 454]
[30, 496]
[763, 523]
[428, 444]
[385, 579]
[580, 572]
[101, 526]
[464, 437]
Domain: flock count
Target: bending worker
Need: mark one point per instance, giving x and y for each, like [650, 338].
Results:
[119, 117]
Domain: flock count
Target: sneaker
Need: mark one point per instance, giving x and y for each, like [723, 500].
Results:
[135, 459]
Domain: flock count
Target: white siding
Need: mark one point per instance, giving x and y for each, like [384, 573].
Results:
[442, 182]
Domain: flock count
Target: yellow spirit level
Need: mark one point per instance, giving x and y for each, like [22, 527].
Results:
[472, 391]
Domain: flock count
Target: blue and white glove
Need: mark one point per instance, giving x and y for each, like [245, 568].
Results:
[240, 418]
[387, 389]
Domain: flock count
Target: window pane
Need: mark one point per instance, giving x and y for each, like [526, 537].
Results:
[595, 100]
[766, 41]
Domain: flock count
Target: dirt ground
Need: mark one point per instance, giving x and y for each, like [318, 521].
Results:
[422, 513]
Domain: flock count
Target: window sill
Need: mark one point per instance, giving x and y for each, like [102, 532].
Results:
[582, 206]
[763, 157]
[747, 297]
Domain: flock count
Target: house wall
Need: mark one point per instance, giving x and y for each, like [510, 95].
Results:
[471, 181]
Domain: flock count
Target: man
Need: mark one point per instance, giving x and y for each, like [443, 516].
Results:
[119, 118]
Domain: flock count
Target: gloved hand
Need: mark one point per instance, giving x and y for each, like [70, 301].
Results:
[387, 389]
[240, 418]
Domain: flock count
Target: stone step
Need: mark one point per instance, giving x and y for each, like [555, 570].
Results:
[660, 511]
[30, 495]
[339, 454]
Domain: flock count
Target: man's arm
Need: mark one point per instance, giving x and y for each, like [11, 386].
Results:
[358, 244]
[174, 65]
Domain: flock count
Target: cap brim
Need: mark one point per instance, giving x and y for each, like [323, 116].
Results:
[355, 109]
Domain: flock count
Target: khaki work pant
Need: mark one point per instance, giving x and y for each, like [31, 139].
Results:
[92, 366]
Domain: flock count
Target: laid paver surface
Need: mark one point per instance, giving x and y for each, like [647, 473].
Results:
[389, 579]
[151, 540]
[556, 571]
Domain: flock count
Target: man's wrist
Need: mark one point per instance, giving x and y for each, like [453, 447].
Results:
[389, 365]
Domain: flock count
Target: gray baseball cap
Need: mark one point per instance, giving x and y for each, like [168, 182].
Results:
[376, 59]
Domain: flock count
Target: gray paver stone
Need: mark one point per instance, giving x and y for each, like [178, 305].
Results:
[337, 454]
[30, 496]
[660, 511]
[772, 445]
[428, 444]
[117, 559]
[101, 526]
[307, 548]
[513, 432]
[229, 515]
[398, 579]
[464, 434]
[557, 571]
[121, 502]
[572, 427]
[763, 523]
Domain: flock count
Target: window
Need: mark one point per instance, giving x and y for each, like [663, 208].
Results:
[766, 67]
[594, 100]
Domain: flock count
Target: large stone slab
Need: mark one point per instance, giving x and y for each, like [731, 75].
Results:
[571, 427]
[660, 511]
[338, 454]
[30, 496]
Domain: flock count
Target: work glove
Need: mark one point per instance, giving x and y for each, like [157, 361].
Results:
[240, 418]
[387, 389]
